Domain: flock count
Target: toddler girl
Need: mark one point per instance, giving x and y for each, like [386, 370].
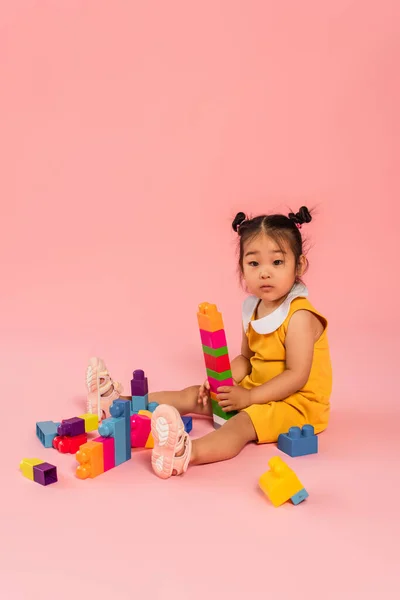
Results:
[283, 375]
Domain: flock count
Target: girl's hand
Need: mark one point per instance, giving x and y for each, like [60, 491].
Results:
[233, 398]
[204, 393]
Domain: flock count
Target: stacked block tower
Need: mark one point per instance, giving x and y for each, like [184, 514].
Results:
[216, 356]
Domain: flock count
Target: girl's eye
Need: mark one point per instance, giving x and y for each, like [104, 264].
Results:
[253, 263]
[278, 262]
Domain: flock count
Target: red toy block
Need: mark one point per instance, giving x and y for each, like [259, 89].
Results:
[215, 384]
[209, 318]
[217, 363]
[140, 430]
[66, 444]
[215, 339]
[108, 451]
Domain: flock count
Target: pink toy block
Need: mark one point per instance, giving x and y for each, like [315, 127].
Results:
[215, 339]
[108, 451]
[215, 384]
[140, 430]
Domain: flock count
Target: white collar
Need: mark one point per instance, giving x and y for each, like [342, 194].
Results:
[271, 322]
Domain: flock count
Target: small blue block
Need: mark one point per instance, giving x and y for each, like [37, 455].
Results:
[121, 409]
[115, 428]
[139, 403]
[298, 442]
[46, 431]
[188, 423]
[152, 406]
[299, 497]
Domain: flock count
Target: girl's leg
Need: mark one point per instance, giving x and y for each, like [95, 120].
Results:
[224, 443]
[185, 401]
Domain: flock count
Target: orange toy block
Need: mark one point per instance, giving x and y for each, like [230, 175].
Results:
[146, 413]
[90, 459]
[209, 318]
[280, 483]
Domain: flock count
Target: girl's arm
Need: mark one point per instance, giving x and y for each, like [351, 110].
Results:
[240, 365]
[299, 344]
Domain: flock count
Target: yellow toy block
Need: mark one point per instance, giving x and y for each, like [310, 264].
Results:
[150, 441]
[91, 422]
[209, 318]
[26, 465]
[146, 413]
[91, 459]
[280, 483]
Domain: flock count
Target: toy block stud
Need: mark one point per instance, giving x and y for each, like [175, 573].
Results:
[139, 385]
[188, 424]
[281, 483]
[298, 442]
[71, 427]
[209, 318]
[45, 473]
[152, 406]
[66, 444]
[46, 431]
[26, 465]
[90, 459]
[91, 422]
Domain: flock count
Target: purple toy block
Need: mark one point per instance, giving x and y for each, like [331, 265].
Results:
[215, 384]
[139, 386]
[108, 451]
[71, 427]
[45, 473]
[214, 339]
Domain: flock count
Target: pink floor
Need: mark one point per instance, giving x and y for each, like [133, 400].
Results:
[128, 533]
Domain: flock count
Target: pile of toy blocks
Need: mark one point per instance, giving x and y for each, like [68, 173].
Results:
[216, 357]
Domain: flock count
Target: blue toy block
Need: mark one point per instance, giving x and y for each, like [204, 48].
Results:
[139, 403]
[298, 442]
[188, 423]
[115, 428]
[152, 406]
[46, 431]
[121, 409]
[299, 497]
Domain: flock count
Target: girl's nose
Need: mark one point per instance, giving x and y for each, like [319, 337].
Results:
[264, 275]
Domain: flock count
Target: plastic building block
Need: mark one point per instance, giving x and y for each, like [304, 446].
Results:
[217, 363]
[220, 376]
[91, 422]
[216, 352]
[216, 339]
[115, 428]
[46, 431]
[67, 444]
[140, 431]
[152, 406]
[108, 452]
[215, 383]
[139, 385]
[71, 427]
[90, 459]
[209, 318]
[281, 483]
[145, 413]
[150, 441]
[26, 465]
[299, 497]
[298, 442]
[45, 473]
[122, 409]
[139, 403]
[188, 423]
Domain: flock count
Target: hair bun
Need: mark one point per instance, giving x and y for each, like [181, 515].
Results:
[303, 216]
[238, 220]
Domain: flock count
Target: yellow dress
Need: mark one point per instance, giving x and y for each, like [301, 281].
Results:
[266, 339]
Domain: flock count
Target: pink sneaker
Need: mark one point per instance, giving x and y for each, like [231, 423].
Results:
[102, 390]
[170, 440]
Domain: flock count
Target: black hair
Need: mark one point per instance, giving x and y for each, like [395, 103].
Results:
[280, 228]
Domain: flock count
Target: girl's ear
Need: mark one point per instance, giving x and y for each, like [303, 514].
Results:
[302, 266]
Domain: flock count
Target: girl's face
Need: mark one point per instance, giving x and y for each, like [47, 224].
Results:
[270, 271]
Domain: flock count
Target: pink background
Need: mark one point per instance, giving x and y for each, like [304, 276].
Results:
[131, 134]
